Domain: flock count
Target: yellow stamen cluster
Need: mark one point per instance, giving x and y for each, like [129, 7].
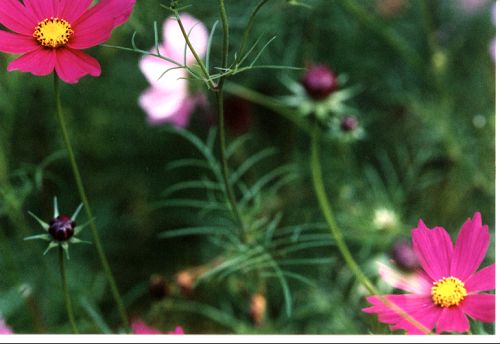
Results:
[53, 32]
[448, 292]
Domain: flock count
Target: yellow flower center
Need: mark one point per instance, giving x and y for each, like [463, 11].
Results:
[448, 292]
[53, 32]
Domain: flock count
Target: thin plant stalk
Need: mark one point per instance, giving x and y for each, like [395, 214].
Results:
[67, 298]
[218, 91]
[83, 195]
[221, 124]
[326, 209]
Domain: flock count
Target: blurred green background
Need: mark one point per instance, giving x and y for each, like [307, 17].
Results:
[426, 106]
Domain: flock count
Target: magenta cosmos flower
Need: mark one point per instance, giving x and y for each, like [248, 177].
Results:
[169, 99]
[448, 288]
[51, 34]
[4, 329]
[140, 327]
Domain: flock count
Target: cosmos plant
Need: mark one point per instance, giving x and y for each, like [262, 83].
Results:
[448, 288]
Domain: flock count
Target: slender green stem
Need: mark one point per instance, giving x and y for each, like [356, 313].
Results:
[248, 29]
[88, 210]
[67, 299]
[225, 40]
[225, 168]
[221, 126]
[269, 103]
[204, 70]
[218, 90]
[326, 209]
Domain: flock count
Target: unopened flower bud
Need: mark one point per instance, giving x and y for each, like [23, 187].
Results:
[390, 8]
[349, 123]
[258, 307]
[185, 282]
[158, 287]
[404, 256]
[319, 82]
[62, 228]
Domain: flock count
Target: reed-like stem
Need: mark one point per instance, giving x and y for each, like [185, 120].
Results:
[218, 90]
[221, 125]
[88, 210]
[326, 209]
[67, 298]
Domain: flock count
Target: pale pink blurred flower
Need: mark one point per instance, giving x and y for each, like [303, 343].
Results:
[140, 327]
[471, 6]
[169, 100]
[4, 329]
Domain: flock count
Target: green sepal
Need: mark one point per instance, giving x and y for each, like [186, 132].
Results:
[52, 245]
[79, 228]
[45, 237]
[65, 247]
[78, 241]
[44, 225]
[77, 211]
[56, 208]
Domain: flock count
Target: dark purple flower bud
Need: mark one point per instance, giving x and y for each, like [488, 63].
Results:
[349, 123]
[158, 286]
[238, 115]
[404, 256]
[62, 228]
[319, 82]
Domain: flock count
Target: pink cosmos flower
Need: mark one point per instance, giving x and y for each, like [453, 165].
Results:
[448, 288]
[168, 100]
[4, 329]
[51, 34]
[140, 327]
[471, 6]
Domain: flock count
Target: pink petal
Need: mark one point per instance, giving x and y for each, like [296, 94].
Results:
[175, 43]
[71, 65]
[42, 9]
[17, 18]
[117, 11]
[167, 107]
[12, 43]
[416, 283]
[480, 307]
[483, 280]
[71, 10]
[91, 32]
[155, 70]
[178, 330]
[140, 327]
[38, 62]
[4, 329]
[420, 307]
[453, 319]
[470, 248]
[434, 249]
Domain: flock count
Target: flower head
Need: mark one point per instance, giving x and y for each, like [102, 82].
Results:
[61, 229]
[4, 329]
[50, 34]
[319, 81]
[140, 327]
[447, 289]
[169, 99]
